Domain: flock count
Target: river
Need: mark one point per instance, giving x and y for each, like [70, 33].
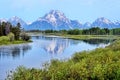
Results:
[41, 50]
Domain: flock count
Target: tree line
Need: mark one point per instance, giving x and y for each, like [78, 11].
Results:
[93, 31]
[90, 31]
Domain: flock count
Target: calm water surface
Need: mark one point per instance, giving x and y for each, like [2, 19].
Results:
[42, 50]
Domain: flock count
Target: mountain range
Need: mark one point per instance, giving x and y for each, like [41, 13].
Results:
[57, 20]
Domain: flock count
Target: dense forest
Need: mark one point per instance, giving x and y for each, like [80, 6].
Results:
[10, 33]
[90, 31]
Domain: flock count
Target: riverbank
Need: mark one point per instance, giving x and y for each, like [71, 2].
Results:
[100, 64]
[14, 42]
[77, 37]
[84, 37]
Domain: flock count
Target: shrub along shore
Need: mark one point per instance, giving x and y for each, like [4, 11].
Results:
[98, 64]
[10, 34]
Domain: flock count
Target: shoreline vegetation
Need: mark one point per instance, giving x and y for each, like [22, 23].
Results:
[11, 34]
[14, 42]
[91, 33]
[98, 64]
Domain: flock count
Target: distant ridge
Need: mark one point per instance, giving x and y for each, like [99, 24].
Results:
[57, 20]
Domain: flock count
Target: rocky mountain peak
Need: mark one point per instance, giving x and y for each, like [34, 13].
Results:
[103, 20]
[55, 16]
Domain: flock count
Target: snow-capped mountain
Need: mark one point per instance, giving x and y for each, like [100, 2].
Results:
[40, 25]
[3, 20]
[117, 24]
[55, 20]
[87, 25]
[14, 20]
[103, 23]
[76, 24]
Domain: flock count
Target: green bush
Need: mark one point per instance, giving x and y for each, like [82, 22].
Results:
[4, 38]
[11, 36]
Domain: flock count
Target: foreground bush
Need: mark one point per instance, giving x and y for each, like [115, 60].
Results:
[99, 64]
[4, 39]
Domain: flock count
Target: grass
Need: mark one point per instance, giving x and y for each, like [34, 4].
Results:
[5, 40]
[98, 64]
[14, 42]
[84, 37]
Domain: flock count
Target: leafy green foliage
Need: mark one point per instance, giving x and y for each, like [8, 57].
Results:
[16, 32]
[4, 39]
[99, 64]
[11, 36]
[75, 31]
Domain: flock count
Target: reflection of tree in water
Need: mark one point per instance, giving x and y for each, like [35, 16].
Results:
[75, 42]
[37, 37]
[97, 41]
[25, 48]
[14, 51]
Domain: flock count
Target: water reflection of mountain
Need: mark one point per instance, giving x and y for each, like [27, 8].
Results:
[14, 50]
[56, 45]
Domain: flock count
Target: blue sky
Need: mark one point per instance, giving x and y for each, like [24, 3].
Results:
[82, 10]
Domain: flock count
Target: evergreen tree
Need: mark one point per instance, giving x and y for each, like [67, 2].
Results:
[16, 32]
[7, 28]
[3, 28]
[19, 25]
[1, 32]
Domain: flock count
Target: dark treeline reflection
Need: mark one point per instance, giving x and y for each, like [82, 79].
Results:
[44, 37]
[97, 41]
[14, 50]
